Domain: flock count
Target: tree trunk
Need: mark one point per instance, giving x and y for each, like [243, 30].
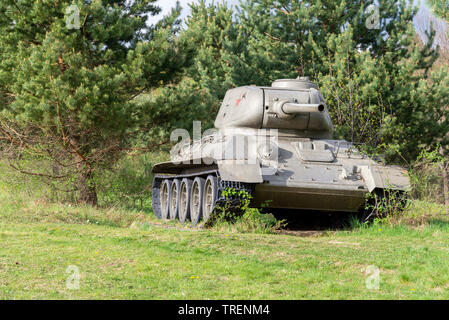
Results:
[446, 185]
[87, 188]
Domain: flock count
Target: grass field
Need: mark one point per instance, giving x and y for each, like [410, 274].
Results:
[126, 255]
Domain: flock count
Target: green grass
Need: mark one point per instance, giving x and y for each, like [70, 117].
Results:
[126, 255]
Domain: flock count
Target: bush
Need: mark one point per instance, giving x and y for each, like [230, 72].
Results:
[240, 217]
[386, 204]
[128, 183]
[427, 176]
[34, 187]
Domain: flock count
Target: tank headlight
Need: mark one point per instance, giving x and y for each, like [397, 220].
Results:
[268, 151]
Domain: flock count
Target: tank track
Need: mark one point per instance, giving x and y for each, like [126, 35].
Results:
[231, 203]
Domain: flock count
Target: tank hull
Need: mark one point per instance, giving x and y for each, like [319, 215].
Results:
[302, 174]
[301, 198]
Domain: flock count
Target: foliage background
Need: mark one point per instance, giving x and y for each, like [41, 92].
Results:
[384, 87]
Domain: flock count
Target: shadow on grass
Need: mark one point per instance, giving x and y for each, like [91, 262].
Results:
[301, 220]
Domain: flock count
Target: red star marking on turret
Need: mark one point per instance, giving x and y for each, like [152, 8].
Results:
[237, 102]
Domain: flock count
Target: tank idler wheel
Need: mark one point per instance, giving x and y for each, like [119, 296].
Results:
[196, 200]
[174, 199]
[164, 198]
[210, 196]
[184, 199]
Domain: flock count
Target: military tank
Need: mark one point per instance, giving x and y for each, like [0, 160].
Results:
[276, 144]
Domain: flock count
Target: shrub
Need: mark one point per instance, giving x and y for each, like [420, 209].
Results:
[235, 214]
[427, 176]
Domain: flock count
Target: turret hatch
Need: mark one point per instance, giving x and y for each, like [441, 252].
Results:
[314, 151]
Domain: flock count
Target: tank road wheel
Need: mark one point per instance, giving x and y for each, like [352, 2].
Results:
[184, 199]
[210, 196]
[174, 199]
[164, 194]
[196, 200]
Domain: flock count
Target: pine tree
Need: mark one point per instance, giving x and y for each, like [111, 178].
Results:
[69, 75]
[373, 74]
[441, 8]
[210, 33]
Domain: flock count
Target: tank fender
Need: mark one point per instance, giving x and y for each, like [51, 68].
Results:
[385, 177]
[235, 170]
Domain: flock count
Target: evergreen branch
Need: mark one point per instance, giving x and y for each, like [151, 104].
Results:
[272, 37]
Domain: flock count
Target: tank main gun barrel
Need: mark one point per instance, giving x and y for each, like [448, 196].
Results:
[286, 109]
[294, 108]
